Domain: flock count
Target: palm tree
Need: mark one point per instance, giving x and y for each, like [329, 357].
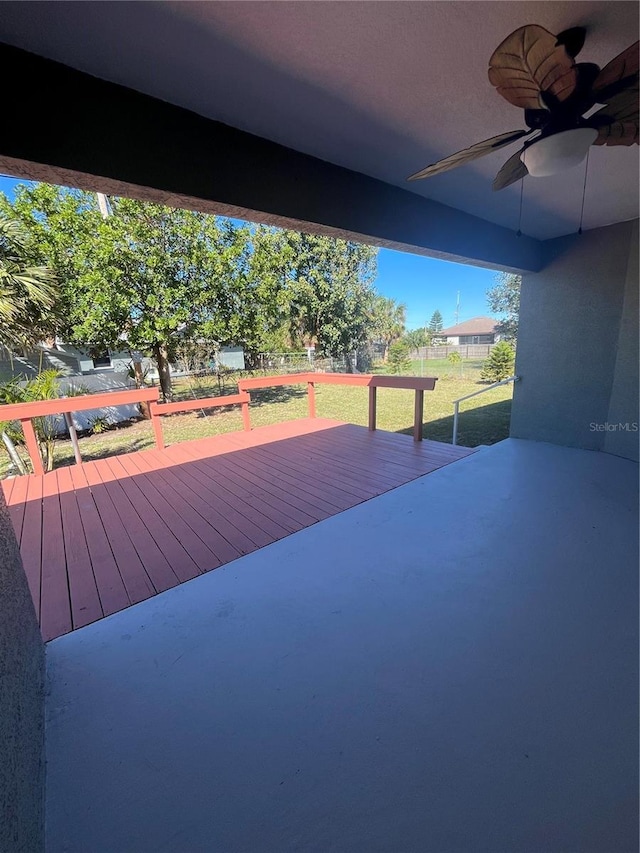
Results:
[389, 318]
[27, 292]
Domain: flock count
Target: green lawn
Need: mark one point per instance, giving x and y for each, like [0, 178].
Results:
[483, 420]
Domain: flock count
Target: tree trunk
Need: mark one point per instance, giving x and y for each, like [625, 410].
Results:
[348, 357]
[385, 352]
[164, 371]
[139, 378]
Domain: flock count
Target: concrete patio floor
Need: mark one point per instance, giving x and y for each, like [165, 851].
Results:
[450, 666]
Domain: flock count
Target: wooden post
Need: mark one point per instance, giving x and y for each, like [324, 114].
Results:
[32, 446]
[73, 435]
[245, 417]
[372, 406]
[311, 390]
[417, 417]
[157, 427]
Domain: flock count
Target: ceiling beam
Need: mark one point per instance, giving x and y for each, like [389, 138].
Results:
[65, 126]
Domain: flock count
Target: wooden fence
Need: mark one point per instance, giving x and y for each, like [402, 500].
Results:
[463, 350]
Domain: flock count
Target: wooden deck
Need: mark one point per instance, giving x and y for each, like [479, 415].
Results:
[98, 537]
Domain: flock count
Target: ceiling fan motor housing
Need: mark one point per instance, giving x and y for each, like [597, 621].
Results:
[558, 152]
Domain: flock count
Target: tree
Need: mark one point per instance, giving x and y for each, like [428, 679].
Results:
[389, 319]
[417, 338]
[399, 361]
[500, 363]
[145, 278]
[436, 323]
[329, 293]
[504, 298]
[455, 358]
[150, 277]
[27, 291]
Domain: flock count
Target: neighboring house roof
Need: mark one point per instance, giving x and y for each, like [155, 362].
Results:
[475, 326]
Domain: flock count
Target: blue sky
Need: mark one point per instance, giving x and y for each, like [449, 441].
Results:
[423, 284]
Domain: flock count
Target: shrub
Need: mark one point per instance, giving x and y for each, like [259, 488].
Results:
[500, 363]
[399, 360]
[44, 386]
[99, 424]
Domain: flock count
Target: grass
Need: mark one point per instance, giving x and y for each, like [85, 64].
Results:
[483, 420]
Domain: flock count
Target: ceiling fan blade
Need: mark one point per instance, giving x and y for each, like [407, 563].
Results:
[480, 149]
[512, 171]
[529, 62]
[619, 133]
[621, 108]
[620, 69]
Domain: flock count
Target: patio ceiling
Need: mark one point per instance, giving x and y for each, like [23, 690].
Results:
[379, 88]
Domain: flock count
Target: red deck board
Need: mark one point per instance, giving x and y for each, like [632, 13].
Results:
[185, 552]
[83, 592]
[31, 540]
[17, 502]
[273, 480]
[111, 588]
[217, 519]
[55, 604]
[133, 574]
[369, 454]
[201, 547]
[158, 569]
[298, 464]
[327, 476]
[224, 475]
[100, 536]
[221, 487]
[241, 471]
[7, 488]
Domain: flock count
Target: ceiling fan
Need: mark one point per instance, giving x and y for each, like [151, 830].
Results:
[535, 70]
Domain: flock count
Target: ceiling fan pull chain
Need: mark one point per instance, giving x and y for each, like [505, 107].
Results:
[584, 191]
[519, 231]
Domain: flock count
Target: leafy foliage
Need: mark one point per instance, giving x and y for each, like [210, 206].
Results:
[27, 291]
[399, 361]
[150, 277]
[500, 363]
[329, 292]
[504, 298]
[99, 424]
[44, 386]
[389, 319]
[417, 338]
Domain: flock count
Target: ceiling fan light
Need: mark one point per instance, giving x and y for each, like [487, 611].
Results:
[559, 152]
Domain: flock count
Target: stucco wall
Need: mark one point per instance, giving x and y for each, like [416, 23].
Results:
[577, 346]
[21, 705]
[623, 406]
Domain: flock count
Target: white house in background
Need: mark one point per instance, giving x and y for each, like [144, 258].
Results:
[478, 330]
[74, 361]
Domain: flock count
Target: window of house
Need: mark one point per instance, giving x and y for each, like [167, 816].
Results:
[101, 359]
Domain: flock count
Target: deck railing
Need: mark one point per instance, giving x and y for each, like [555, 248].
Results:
[159, 409]
[25, 412]
[456, 403]
[419, 384]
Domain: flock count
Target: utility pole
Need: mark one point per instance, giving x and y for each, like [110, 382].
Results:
[103, 204]
[457, 309]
